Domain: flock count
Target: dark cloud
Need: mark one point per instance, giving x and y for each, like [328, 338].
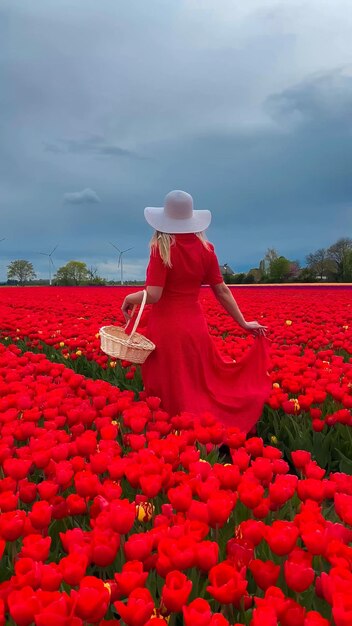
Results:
[324, 98]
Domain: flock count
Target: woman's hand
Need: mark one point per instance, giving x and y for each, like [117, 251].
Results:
[127, 309]
[153, 296]
[255, 328]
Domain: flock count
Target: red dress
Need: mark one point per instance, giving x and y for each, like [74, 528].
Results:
[186, 369]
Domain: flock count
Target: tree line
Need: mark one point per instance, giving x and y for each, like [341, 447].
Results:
[74, 273]
[333, 264]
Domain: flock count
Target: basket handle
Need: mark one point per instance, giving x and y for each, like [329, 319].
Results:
[144, 299]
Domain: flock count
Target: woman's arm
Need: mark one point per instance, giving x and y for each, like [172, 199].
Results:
[226, 299]
[224, 296]
[153, 295]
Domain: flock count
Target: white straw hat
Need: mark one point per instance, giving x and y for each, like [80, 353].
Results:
[177, 215]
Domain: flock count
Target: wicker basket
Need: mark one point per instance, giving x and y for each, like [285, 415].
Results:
[135, 348]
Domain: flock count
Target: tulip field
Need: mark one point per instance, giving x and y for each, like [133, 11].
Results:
[114, 513]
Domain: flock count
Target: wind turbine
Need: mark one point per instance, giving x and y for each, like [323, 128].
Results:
[120, 260]
[50, 261]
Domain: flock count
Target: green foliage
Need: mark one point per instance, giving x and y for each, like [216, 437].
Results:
[331, 447]
[279, 269]
[307, 275]
[339, 254]
[21, 270]
[73, 273]
[76, 273]
[235, 279]
[249, 279]
[347, 266]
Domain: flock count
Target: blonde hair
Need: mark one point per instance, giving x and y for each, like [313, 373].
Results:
[164, 241]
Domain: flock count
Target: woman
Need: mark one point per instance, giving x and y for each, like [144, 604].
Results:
[186, 370]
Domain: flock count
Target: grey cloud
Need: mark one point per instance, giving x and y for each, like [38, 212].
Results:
[95, 145]
[323, 97]
[86, 196]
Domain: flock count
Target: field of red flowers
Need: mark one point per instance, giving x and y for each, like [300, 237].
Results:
[114, 512]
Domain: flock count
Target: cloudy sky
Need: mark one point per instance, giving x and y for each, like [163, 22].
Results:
[106, 106]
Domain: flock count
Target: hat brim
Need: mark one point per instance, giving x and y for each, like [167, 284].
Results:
[156, 218]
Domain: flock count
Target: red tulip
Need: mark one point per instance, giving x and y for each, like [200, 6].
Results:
[76, 504]
[220, 505]
[36, 547]
[298, 576]
[40, 515]
[104, 547]
[300, 458]
[47, 489]
[281, 537]
[8, 501]
[23, 606]
[197, 613]
[180, 497]
[73, 568]
[343, 507]
[12, 525]
[342, 609]
[16, 468]
[293, 615]
[313, 618]
[138, 609]
[151, 485]
[227, 585]
[138, 547]
[265, 573]
[122, 516]
[131, 577]
[50, 577]
[264, 616]
[92, 599]
[176, 591]
[207, 554]
[27, 491]
[250, 493]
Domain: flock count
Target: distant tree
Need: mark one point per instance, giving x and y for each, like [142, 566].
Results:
[294, 270]
[93, 278]
[347, 267]
[249, 279]
[336, 253]
[319, 263]
[73, 273]
[279, 269]
[21, 270]
[237, 279]
[307, 275]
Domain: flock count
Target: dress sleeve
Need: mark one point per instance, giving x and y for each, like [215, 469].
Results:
[156, 270]
[213, 275]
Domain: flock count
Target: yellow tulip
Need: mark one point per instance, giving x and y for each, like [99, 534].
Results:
[144, 511]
